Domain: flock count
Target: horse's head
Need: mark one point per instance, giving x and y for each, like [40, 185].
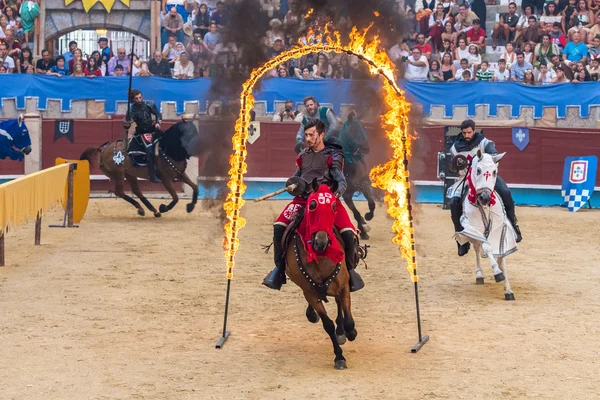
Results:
[482, 177]
[18, 134]
[320, 215]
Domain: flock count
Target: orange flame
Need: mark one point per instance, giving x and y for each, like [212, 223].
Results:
[393, 177]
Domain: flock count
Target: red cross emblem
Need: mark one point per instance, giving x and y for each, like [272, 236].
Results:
[487, 175]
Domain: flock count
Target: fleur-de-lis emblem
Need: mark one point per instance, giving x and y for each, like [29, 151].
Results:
[119, 158]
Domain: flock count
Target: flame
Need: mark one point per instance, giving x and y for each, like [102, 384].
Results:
[309, 13]
[393, 177]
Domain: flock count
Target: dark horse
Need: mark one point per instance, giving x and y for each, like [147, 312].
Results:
[170, 161]
[354, 142]
[321, 277]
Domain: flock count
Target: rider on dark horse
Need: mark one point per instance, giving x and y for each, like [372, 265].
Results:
[314, 111]
[323, 161]
[467, 144]
[141, 114]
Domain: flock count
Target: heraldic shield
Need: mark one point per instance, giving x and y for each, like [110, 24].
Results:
[579, 179]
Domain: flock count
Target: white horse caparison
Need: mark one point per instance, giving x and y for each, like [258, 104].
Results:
[484, 220]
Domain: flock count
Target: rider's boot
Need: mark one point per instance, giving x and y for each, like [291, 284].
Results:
[513, 220]
[150, 160]
[356, 282]
[509, 205]
[276, 278]
[456, 212]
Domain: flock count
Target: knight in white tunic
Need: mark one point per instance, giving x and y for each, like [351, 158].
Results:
[467, 144]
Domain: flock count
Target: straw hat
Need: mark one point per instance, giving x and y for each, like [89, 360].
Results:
[188, 30]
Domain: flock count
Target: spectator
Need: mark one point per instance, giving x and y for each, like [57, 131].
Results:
[546, 75]
[446, 48]
[196, 48]
[484, 74]
[544, 51]
[435, 73]
[120, 59]
[449, 34]
[502, 74]
[509, 55]
[13, 48]
[595, 31]
[550, 17]
[178, 5]
[517, 71]
[45, 63]
[60, 69]
[219, 16]
[557, 37]
[575, 51]
[464, 65]
[557, 63]
[466, 75]
[25, 59]
[282, 72]
[464, 19]
[594, 69]
[568, 12]
[3, 25]
[144, 70]
[30, 69]
[524, 20]
[3, 69]
[69, 54]
[476, 35]
[119, 70]
[437, 20]
[303, 74]
[77, 58]
[417, 66]
[184, 69]
[594, 50]
[14, 22]
[172, 25]
[581, 21]
[507, 25]
[479, 8]
[202, 21]
[212, 38]
[462, 51]
[93, 69]
[424, 48]
[528, 53]
[581, 74]
[276, 32]
[474, 57]
[77, 70]
[528, 78]
[270, 7]
[170, 49]
[159, 66]
[226, 52]
[448, 68]
[276, 49]
[5, 60]
[399, 51]
[104, 50]
[287, 113]
[531, 34]
[322, 69]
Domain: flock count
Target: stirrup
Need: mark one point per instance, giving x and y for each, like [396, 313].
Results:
[356, 282]
[275, 279]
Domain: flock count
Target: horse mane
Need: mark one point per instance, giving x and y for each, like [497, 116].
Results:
[170, 143]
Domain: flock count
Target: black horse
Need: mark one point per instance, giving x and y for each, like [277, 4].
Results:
[354, 142]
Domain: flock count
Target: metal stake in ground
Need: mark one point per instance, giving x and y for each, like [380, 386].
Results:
[68, 217]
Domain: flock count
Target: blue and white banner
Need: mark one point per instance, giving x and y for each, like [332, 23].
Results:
[520, 137]
[579, 178]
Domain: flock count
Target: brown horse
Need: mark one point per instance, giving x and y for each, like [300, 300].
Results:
[170, 161]
[322, 277]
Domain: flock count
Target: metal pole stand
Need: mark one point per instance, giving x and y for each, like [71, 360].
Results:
[225, 333]
[38, 230]
[68, 217]
[422, 339]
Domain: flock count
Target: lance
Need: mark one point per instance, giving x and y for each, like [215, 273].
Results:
[285, 189]
[127, 122]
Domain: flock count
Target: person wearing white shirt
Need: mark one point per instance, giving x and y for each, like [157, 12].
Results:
[464, 66]
[417, 66]
[184, 69]
[502, 74]
[545, 75]
[399, 50]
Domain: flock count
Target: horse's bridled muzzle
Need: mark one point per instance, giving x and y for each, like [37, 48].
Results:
[484, 198]
[320, 241]
[26, 150]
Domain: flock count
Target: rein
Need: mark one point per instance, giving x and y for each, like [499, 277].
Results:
[320, 288]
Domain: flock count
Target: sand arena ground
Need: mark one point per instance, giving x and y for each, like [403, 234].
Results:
[128, 307]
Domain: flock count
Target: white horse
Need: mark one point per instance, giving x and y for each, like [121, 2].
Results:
[484, 220]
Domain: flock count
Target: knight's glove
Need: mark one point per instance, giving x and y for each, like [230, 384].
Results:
[340, 181]
[300, 185]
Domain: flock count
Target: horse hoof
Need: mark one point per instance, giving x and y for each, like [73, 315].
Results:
[366, 228]
[341, 339]
[340, 364]
[479, 281]
[141, 212]
[499, 277]
[312, 316]
[190, 207]
[157, 214]
[351, 335]
[364, 236]
[163, 208]
[509, 296]
[369, 216]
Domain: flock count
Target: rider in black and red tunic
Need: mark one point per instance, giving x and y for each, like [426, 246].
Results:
[325, 162]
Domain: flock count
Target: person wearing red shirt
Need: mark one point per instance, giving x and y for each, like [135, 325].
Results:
[425, 48]
[476, 34]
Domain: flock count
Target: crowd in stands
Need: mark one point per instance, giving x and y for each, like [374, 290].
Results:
[551, 41]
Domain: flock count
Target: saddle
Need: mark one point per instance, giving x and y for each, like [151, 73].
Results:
[137, 148]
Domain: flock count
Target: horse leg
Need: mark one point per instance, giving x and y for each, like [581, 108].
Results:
[362, 225]
[340, 332]
[487, 249]
[478, 272]
[312, 315]
[508, 294]
[168, 184]
[190, 206]
[120, 192]
[348, 319]
[329, 326]
[366, 191]
[135, 188]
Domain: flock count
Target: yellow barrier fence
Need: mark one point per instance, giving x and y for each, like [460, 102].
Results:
[31, 196]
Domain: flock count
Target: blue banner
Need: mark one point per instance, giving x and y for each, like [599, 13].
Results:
[520, 137]
[579, 177]
[336, 92]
